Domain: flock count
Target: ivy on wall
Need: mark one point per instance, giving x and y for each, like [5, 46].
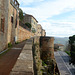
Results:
[28, 25]
[21, 14]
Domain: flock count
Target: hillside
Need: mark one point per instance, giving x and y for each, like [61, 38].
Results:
[62, 40]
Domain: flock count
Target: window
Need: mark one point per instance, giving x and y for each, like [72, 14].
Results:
[12, 19]
[16, 22]
[2, 24]
[34, 22]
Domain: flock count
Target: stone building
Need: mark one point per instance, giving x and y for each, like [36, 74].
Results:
[3, 24]
[13, 21]
[39, 30]
[9, 21]
[43, 32]
[30, 19]
[59, 47]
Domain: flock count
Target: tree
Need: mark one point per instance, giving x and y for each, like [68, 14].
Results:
[28, 25]
[21, 14]
[72, 49]
[67, 46]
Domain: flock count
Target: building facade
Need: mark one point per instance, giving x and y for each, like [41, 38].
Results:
[13, 21]
[30, 19]
[9, 21]
[59, 47]
[39, 30]
[43, 32]
[3, 24]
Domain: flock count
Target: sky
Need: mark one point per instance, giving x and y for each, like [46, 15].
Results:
[57, 17]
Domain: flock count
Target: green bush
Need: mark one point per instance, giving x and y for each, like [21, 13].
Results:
[21, 14]
[68, 52]
[33, 30]
[17, 42]
[9, 45]
[43, 63]
[28, 25]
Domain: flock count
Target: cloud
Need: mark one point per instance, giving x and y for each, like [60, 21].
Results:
[27, 2]
[50, 8]
[42, 11]
[62, 29]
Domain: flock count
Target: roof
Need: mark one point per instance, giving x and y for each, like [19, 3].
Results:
[43, 30]
[39, 25]
[31, 16]
[59, 44]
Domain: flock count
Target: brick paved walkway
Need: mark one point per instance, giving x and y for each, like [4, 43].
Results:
[8, 60]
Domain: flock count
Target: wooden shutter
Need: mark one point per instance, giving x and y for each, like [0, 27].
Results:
[12, 19]
[2, 24]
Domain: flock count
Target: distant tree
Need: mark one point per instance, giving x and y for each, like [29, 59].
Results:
[28, 25]
[67, 46]
[72, 49]
[21, 14]
[33, 30]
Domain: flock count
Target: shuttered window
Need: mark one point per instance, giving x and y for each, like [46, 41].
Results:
[2, 24]
[16, 22]
[12, 19]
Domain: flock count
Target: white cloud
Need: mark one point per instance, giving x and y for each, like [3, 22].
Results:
[62, 29]
[50, 8]
[27, 2]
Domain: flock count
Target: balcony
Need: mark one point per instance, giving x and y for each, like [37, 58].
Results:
[15, 4]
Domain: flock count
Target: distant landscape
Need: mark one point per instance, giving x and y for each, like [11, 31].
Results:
[61, 40]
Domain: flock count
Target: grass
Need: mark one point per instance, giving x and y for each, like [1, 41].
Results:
[68, 52]
[17, 42]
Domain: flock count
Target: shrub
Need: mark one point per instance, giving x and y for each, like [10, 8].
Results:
[9, 45]
[17, 42]
[28, 25]
[68, 52]
[21, 14]
[33, 30]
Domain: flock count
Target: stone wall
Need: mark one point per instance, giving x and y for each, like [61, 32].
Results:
[47, 56]
[29, 61]
[43, 54]
[36, 56]
[8, 31]
[13, 22]
[24, 34]
[47, 45]
[3, 15]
